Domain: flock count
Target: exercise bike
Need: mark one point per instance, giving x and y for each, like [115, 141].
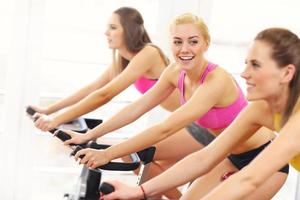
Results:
[88, 184]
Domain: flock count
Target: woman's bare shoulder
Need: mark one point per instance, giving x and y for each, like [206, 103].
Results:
[260, 112]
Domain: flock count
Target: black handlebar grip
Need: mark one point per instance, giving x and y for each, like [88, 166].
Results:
[30, 111]
[77, 148]
[106, 188]
[62, 135]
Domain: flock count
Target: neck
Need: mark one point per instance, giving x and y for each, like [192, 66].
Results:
[278, 103]
[126, 54]
[196, 72]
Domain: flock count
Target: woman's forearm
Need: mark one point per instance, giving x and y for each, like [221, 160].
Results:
[130, 113]
[140, 141]
[72, 99]
[186, 170]
[80, 94]
[86, 105]
[227, 190]
[127, 115]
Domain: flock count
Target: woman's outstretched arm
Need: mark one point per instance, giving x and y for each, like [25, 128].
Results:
[102, 80]
[138, 66]
[196, 164]
[157, 94]
[283, 149]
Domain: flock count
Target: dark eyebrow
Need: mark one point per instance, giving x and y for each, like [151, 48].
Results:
[111, 24]
[178, 38]
[254, 61]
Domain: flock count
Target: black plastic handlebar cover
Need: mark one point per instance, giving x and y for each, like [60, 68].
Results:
[106, 188]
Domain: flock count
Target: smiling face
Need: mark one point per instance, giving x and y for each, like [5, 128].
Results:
[114, 32]
[262, 74]
[272, 70]
[188, 45]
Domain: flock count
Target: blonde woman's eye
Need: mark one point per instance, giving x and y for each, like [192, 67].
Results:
[177, 42]
[194, 42]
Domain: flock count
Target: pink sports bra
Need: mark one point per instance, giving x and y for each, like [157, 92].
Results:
[216, 118]
[143, 84]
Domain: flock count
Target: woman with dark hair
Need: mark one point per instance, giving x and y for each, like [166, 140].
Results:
[273, 77]
[135, 61]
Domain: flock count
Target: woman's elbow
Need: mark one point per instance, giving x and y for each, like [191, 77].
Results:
[101, 97]
[165, 130]
[247, 181]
